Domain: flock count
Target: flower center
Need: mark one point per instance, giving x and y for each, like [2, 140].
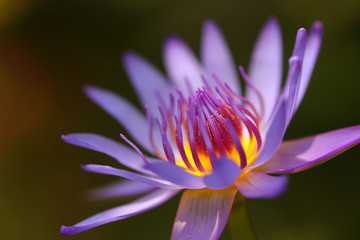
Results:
[212, 123]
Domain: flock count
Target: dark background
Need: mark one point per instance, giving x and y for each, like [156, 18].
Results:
[50, 49]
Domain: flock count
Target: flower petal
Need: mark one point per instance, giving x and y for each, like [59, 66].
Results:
[265, 70]
[103, 169]
[202, 214]
[216, 56]
[182, 66]
[274, 136]
[224, 174]
[129, 117]
[121, 153]
[298, 155]
[176, 175]
[260, 185]
[146, 80]
[292, 90]
[138, 206]
[311, 52]
[119, 189]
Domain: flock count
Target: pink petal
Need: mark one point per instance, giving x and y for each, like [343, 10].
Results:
[298, 155]
[146, 80]
[311, 52]
[216, 56]
[103, 169]
[260, 185]
[265, 70]
[129, 117]
[138, 206]
[202, 214]
[182, 66]
[119, 189]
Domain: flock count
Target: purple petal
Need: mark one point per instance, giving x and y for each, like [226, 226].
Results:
[292, 89]
[156, 182]
[274, 136]
[202, 214]
[129, 117]
[143, 204]
[224, 174]
[119, 189]
[176, 175]
[216, 56]
[146, 80]
[300, 44]
[301, 154]
[265, 70]
[182, 66]
[121, 153]
[260, 185]
[311, 52]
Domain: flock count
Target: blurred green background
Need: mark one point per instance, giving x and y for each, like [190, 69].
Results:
[50, 49]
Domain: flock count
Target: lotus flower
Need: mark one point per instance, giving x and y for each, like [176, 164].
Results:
[201, 134]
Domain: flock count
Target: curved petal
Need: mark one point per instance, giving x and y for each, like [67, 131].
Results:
[138, 206]
[119, 189]
[182, 66]
[216, 57]
[202, 214]
[121, 153]
[129, 117]
[265, 69]
[224, 174]
[298, 155]
[311, 52]
[293, 80]
[147, 81]
[261, 185]
[176, 175]
[274, 136]
[102, 169]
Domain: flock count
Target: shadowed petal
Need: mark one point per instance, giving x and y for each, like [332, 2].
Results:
[123, 154]
[274, 136]
[260, 185]
[176, 175]
[143, 204]
[130, 118]
[292, 91]
[224, 174]
[216, 56]
[146, 80]
[119, 189]
[311, 52]
[265, 69]
[181, 65]
[202, 214]
[102, 169]
[301, 154]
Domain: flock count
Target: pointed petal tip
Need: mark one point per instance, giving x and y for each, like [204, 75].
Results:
[64, 230]
[301, 31]
[209, 24]
[273, 20]
[90, 89]
[128, 55]
[294, 60]
[318, 25]
[171, 38]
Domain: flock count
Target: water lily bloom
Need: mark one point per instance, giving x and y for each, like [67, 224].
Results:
[199, 132]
